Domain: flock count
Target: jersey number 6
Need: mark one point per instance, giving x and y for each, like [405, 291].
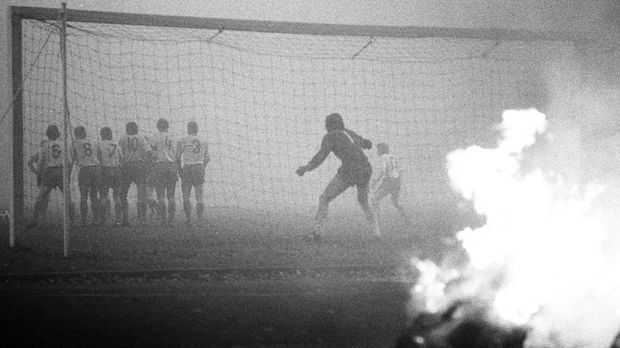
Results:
[56, 151]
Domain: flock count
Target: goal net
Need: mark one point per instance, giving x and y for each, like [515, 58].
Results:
[260, 99]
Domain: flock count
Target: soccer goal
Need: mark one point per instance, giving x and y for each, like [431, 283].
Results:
[260, 92]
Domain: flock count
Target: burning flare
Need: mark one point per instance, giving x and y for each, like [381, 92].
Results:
[543, 258]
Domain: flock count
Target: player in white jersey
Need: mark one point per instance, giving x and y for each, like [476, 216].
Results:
[83, 151]
[33, 164]
[51, 164]
[165, 170]
[134, 153]
[151, 198]
[192, 158]
[389, 180]
[110, 159]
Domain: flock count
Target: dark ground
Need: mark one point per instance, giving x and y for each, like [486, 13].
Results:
[296, 311]
[218, 284]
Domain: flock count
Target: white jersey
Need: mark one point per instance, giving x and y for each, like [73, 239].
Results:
[164, 147]
[192, 150]
[134, 148]
[84, 153]
[109, 153]
[389, 166]
[50, 154]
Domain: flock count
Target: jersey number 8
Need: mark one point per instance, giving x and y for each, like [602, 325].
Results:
[88, 151]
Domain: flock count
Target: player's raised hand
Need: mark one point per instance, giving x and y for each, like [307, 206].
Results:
[301, 170]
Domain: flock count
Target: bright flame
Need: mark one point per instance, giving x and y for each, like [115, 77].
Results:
[431, 285]
[542, 239]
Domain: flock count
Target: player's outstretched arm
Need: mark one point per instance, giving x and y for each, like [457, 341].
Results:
[301, 170]
[326, 148]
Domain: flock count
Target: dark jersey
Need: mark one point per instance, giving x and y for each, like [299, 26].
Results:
[347, 146]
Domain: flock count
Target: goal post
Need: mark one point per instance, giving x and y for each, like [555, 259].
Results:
[18, 126]
[261, 90]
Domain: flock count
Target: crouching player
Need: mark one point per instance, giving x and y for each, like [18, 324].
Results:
[109, 157]
[192, 158]
[165, 171]
[83, 151]
[389, 178]
[134, 155]
[51, 166]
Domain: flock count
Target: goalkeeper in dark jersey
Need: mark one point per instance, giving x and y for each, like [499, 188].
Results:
[354, 171]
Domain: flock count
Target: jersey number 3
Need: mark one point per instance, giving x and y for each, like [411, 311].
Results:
[196, 148]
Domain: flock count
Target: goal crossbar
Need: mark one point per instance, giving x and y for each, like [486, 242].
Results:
[283, 27]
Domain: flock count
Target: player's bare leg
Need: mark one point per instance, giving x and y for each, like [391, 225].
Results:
[104, 208]
[141, 188]
[71, 208]
[186, 189]
[400, 208]
[362, 198]
[44, 205]
[172, 206]
[200, 206]
[375, 202]
[104, 205]
[198, 190]
[160, 191]
[118, 208]
[94, 202]
[124, 203]
[84, 189]
[152, 204]
[44, 192]
[335, 187]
